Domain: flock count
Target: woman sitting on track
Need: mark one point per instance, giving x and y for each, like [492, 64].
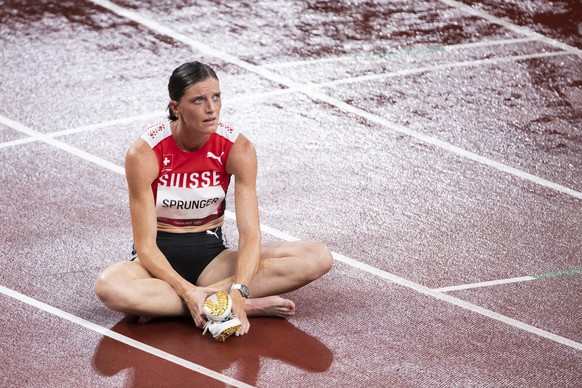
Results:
[178, 173]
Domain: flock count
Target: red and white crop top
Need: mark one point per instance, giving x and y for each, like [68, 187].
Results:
[191, 187]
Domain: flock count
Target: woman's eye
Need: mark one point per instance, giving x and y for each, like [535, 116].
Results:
[216, 97]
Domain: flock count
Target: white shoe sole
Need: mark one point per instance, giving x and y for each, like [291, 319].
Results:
[222, 330]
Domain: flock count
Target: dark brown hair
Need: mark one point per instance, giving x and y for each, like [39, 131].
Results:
[184, 76]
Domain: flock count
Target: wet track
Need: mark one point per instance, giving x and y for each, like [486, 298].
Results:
[434, 145]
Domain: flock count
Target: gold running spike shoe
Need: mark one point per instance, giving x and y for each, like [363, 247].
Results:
[222, 330]
[221, 323]
[217, 306]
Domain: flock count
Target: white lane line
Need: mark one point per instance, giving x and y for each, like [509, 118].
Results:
[512, 26]
[446, 146]
[458, 302]
[314, 92]
[354, 263]
[246, 98]
[62, 146]
[489, 43]
[13, 143]
[383, 55]
[157, 115]
[365, 267]
[37, 136]
[566, 272]
[484, 284]
[121, 338]
[432, 293]
[445, 66]
[179, 37]
[105, 124]
[34, 135]
[47, 138]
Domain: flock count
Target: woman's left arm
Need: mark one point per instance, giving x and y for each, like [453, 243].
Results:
[242, 163]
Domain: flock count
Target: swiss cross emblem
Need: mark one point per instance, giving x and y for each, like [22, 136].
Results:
[167, 162]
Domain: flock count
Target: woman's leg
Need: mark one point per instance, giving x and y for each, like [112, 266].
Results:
[284, 267]
[129, 288]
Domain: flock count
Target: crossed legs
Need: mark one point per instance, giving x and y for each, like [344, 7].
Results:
[285, 266]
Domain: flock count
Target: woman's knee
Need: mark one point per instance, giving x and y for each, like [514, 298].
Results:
[105, 287]
[321, 258]
[110, 287]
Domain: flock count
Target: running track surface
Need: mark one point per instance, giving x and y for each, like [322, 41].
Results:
[434, 145]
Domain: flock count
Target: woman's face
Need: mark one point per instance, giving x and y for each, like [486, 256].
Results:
[199, 108]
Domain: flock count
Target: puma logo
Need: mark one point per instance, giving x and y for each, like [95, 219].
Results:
[215, 234]
[219, 158]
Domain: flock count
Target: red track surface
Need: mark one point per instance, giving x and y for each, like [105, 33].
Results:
[430, 144]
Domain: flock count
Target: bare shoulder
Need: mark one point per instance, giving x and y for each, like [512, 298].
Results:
[139, 149]
[140, 160]
[243, 157]
[243, 145]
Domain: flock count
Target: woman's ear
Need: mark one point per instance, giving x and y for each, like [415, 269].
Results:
[173, 105]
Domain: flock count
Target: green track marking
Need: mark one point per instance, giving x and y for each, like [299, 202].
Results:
[567, 272]
[412, 51]
[498, 282]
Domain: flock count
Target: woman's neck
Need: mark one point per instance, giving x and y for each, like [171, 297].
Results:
[186, 140]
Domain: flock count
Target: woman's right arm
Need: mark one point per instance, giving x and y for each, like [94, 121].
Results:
[141, 169]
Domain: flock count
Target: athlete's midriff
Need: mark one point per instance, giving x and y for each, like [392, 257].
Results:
[163, 227]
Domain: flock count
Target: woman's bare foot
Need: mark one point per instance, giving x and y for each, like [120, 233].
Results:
[270, 306]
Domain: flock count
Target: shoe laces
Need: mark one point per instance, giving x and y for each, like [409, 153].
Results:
[209, 323]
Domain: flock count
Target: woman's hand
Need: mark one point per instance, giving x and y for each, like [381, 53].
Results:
[239, 311]
[194, 298]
